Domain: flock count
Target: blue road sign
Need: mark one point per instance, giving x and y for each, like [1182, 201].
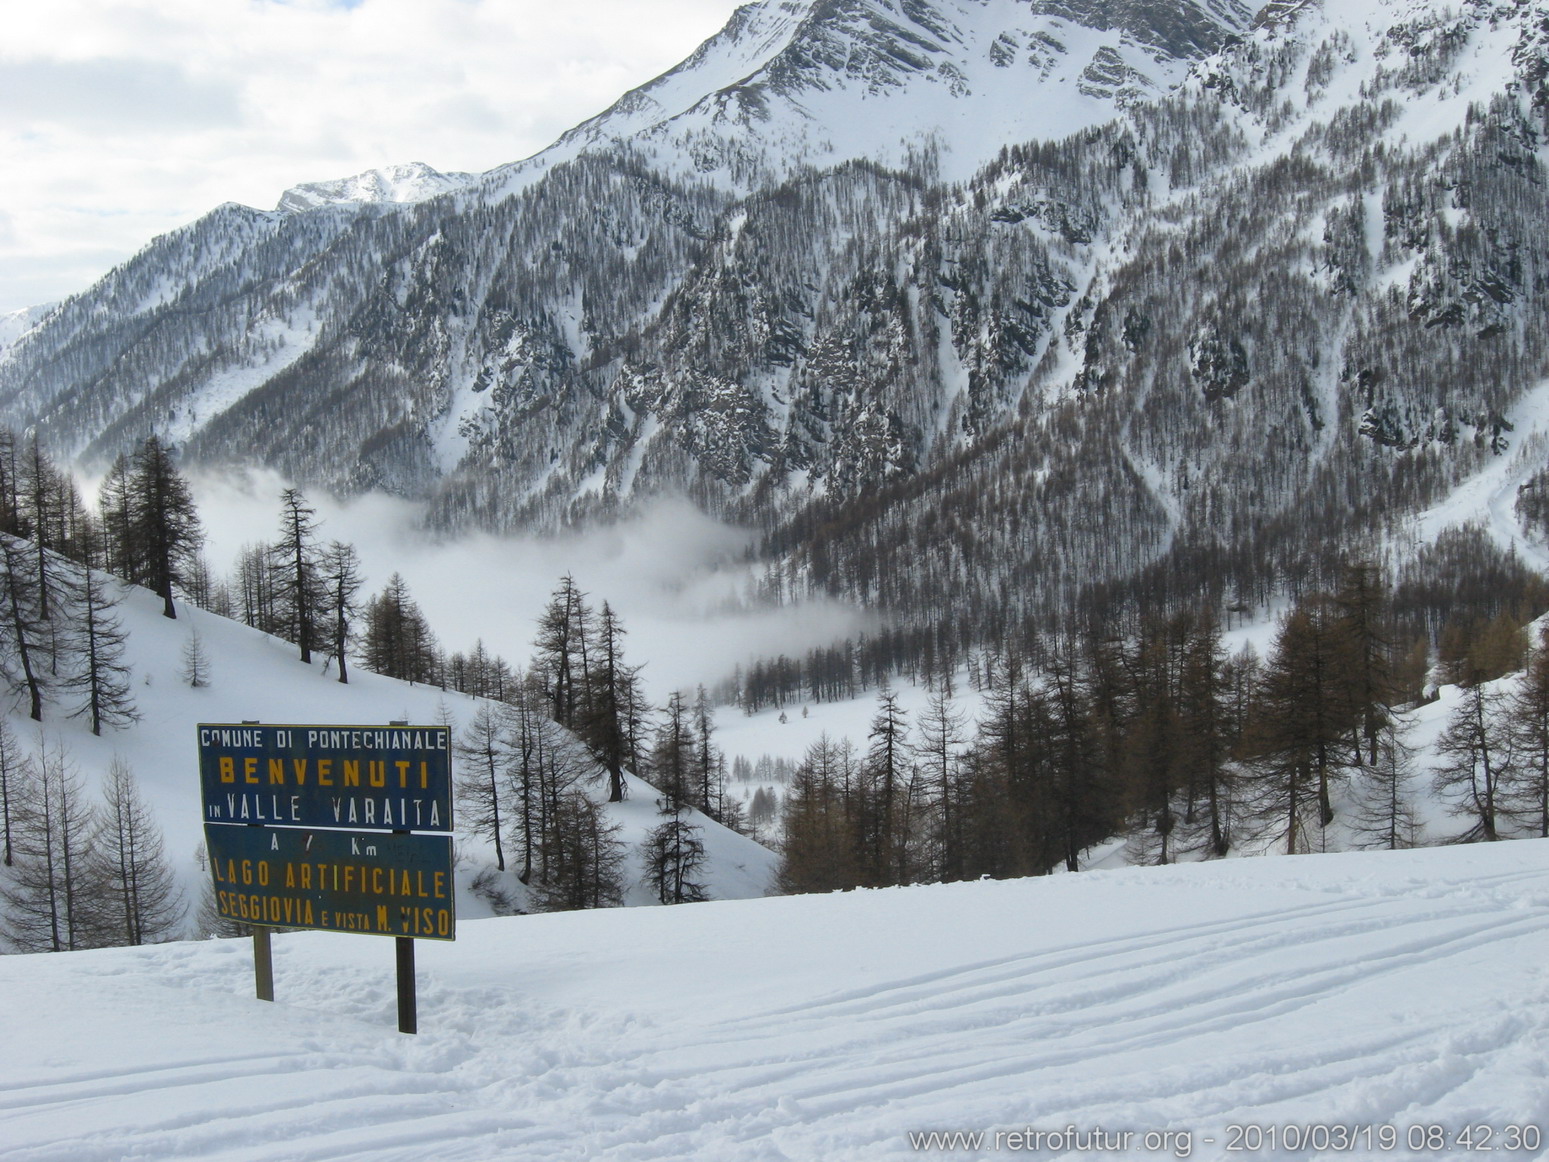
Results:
[391, 778]
[336, 881]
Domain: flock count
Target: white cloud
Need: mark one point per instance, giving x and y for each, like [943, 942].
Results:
[120, 119]
[112, 96]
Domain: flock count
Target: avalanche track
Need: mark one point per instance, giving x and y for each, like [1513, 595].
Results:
[1351, 991]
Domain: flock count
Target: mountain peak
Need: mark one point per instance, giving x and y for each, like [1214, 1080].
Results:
[411, 182]
[792, 83]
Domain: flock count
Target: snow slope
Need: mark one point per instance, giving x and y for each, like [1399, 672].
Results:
[255, 676]
[1488, 497]
[817, 82]
[15, 324]
[1355, 991]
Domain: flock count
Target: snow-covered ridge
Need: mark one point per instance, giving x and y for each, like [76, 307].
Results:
[15, 324]
[400, 184]
[794, 83]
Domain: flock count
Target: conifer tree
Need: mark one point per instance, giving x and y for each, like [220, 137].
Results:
[208, 923]
[1452, 654]
[21, 660]
[675, 857]
[115, 514]
[673, 755]
[199, 582]
[674, 851]
[223, 600]
[142, 900]
[636, 719]
[1386, 818]
[99, 676]
[1526, 795]
[818, 851]
[16, 771]
[1112, 688]
[993, 834]
[255, 586]
[584, 857]
[762, 813]
[1007, 787]
[562, 654]
[398, 642]
[1153, 740]
[297, 584]
[1495, 649]
[524, 773]
[339, 572]
[53, 896]
[560, 766]
[47, 502]
[1302, 718]
[1205, 727]
[479, 673]
[1475, 760]
[1081, 794]
[10, 485]
[164, 528]
[1412, 671]
[709, 763]
[483, 754]
[938, 755]
[609, 703]
[196, 660]
[886, 781]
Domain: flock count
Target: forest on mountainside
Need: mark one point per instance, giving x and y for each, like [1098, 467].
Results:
[1183, 749]
[1159, 737]
[1215, 347]
[1058, 426]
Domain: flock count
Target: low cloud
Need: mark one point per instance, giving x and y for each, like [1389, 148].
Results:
[676, 578]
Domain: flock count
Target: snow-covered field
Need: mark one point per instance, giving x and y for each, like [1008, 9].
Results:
[1242, 1003]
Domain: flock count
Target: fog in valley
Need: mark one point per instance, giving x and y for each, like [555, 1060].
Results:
[678, 579]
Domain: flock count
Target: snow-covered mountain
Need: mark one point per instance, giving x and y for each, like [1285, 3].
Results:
[401, 184]
[1004, 301]
[807, 84]
[15, 324]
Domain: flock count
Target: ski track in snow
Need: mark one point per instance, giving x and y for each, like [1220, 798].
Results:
[1376, 989]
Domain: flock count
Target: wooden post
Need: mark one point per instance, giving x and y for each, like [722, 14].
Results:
[408, 1005]
[263, 964]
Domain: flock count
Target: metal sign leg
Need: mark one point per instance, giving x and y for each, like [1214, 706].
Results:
[263, 964]
[408, 1006]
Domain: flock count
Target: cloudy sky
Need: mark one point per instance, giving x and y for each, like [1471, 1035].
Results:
[120, 119]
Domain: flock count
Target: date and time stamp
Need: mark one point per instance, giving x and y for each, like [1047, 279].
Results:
[1420, 1138]
[1314, 1139]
